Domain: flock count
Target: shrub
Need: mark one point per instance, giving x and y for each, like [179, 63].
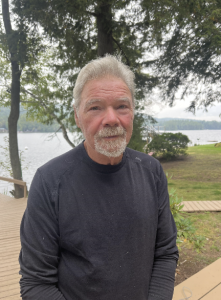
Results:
[217, 145]
[168, 145]
[185, 228]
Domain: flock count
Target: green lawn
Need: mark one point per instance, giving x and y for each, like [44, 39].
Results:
[198, 175]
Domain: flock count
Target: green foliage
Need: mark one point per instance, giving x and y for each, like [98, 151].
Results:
[168, 145]
[74, 28]
[137, 142]
[185, 228]
[45, 95]
[21, 44]
[190, 62]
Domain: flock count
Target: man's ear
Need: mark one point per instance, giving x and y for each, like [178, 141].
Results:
[76, 118]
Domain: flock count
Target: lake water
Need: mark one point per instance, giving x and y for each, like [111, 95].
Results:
[40, 150]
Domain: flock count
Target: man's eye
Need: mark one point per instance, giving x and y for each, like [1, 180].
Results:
[94, 108]
[123, 106]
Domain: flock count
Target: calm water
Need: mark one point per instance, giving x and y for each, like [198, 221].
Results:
[40, 149]
[202, 137]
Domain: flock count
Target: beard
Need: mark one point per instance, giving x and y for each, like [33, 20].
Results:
[110, 148]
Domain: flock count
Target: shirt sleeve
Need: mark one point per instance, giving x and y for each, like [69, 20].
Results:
[39, 256]
[166, 252]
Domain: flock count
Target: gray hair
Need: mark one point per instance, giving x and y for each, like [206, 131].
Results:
[101, 67]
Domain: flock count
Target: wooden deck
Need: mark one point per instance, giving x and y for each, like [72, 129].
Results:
[11, 211]
[199, 206]
[205, 285]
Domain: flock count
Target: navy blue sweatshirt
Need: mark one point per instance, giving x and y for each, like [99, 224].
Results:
[98, 232]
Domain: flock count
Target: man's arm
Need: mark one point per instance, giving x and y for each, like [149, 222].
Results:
[166, 252]
[39, 256]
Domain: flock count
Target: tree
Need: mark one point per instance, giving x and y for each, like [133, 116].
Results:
[187, 33]
[137, 142]
[86, 29]
[19, 50]
[184, 37]
[189, 62]
[46, 96]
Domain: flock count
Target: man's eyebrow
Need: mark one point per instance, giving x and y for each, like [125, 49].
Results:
[90, 102]
[124, 100]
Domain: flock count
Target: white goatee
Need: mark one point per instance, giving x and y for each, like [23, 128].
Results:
[110, 148]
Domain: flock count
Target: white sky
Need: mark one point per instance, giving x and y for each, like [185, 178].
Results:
[178, 111]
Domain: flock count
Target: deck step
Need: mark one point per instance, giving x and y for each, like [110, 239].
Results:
[197, 206]
[205, 285]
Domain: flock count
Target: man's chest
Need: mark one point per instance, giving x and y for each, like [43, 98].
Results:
[98, 211]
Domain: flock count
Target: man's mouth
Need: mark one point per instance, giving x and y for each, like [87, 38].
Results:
[111, 136]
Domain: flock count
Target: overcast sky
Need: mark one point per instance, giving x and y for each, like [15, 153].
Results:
[178, 111]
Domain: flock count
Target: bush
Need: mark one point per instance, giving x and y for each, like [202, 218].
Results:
[168, 145]
[217, 145]
[185, 228]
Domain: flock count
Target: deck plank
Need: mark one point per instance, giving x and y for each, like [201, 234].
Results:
[206, 284]
[199, 206]
[11, 212]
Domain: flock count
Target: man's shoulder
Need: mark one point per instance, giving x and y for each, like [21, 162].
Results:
[145, 160]
[57, 166]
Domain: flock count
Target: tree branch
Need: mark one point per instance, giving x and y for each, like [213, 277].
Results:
[62, 126]
[6, 17]
[28, 102]
[119, 46]
[91, 13]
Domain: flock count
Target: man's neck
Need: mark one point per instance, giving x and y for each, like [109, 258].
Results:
[100, 158]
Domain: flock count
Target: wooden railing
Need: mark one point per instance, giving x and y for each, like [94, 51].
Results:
[16, 181]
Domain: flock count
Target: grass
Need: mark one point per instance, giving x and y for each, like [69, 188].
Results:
[208, 226]
[196, 191]
[196, 176]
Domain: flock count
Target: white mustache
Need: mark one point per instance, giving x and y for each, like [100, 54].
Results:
[111, 131]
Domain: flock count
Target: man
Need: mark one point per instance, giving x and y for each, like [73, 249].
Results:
[98, 224]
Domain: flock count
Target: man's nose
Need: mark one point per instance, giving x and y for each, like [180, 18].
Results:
[110, 117]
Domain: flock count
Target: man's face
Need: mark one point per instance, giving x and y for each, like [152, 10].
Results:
[105, 116]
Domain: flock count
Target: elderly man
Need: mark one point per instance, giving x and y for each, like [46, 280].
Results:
[98, 224]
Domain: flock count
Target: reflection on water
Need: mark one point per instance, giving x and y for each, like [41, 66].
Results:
[38, 149]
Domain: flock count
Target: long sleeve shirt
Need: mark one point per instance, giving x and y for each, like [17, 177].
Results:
[98, 232]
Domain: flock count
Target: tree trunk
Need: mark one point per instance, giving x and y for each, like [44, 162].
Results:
[15, 101]
[12, 128]
[104, 26]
